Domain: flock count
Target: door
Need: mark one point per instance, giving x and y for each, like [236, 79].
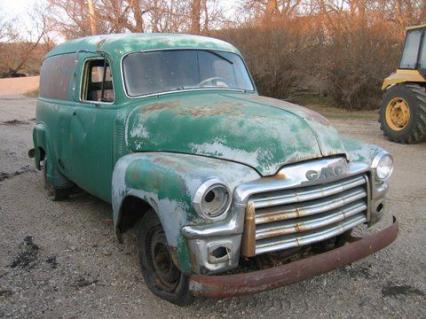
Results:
[92, 128]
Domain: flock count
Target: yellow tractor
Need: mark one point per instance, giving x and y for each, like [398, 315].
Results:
[403, 108]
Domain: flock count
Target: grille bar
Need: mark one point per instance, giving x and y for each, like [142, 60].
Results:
[310, 237]
[307, 224]
[273, 214]
[309, 194]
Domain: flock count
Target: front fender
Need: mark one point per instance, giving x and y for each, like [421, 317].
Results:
[167, 182]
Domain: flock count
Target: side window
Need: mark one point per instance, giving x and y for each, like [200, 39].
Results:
[97, 85]
[411, 50]
[55, 75]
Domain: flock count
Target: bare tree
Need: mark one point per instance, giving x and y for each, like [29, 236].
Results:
[195, 16]
[92, 17]
[20, 43]
[137, 15]
[271, 9]
[71, 18]
[168, 15]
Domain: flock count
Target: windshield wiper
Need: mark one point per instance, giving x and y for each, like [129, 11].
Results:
[220, 56]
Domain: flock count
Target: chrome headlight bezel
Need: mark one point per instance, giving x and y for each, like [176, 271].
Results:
[219, 189]
[378, 160]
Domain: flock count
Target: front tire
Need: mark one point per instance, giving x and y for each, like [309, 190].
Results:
[403, 114]
[160, 273]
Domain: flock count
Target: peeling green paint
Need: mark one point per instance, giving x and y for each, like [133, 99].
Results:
[151, 177]
[359, 151]
[240, 127]
[168, 182]
[183, 256]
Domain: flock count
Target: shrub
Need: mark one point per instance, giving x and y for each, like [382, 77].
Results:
[346, 61]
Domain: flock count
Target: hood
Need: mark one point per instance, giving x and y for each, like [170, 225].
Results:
[261, 132]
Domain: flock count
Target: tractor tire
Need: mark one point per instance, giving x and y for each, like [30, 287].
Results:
[407, 126]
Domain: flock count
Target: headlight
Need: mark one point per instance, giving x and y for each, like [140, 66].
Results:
[212, 199]
[383, 166]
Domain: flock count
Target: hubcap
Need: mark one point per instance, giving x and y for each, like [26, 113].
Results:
[397, 114]
[166, 271]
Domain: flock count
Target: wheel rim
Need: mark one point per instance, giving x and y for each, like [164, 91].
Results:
[167, 273]
[397, 114]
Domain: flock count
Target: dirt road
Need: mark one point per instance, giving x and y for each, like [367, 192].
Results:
[61, 259]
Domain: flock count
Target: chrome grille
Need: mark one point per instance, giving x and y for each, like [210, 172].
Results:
[302, 216]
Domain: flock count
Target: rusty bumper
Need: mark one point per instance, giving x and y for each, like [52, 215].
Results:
[222, 286]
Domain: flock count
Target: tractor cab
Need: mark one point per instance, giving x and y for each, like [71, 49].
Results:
[414, 54]
[403, 108]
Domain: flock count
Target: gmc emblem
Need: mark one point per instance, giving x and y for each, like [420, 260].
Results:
[325, 173]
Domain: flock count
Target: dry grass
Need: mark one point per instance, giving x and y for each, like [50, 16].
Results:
[327, 108]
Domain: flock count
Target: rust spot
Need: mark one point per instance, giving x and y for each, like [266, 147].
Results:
[299, 228]
[279, 176]
[226, 108]
[248, 245]
[159, 106]
[271, 218]
[170, 162]
[164, 160]
[279, 232]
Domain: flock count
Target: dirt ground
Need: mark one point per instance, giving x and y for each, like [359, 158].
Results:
[10, 86]
[61, 259]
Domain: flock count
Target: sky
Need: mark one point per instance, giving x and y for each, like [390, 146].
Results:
[17, 9]
[12, 8]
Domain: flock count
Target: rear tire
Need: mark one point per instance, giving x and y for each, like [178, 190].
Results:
[54, 193]
[413, 129]
[160, 273]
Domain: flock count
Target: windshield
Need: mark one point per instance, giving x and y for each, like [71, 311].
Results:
[171, 70]
[411, 50]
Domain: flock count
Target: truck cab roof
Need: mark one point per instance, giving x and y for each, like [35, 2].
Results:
[120, 44]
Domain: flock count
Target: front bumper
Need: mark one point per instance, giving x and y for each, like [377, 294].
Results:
[221, 286]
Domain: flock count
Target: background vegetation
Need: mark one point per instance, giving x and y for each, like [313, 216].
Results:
[337, 51]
